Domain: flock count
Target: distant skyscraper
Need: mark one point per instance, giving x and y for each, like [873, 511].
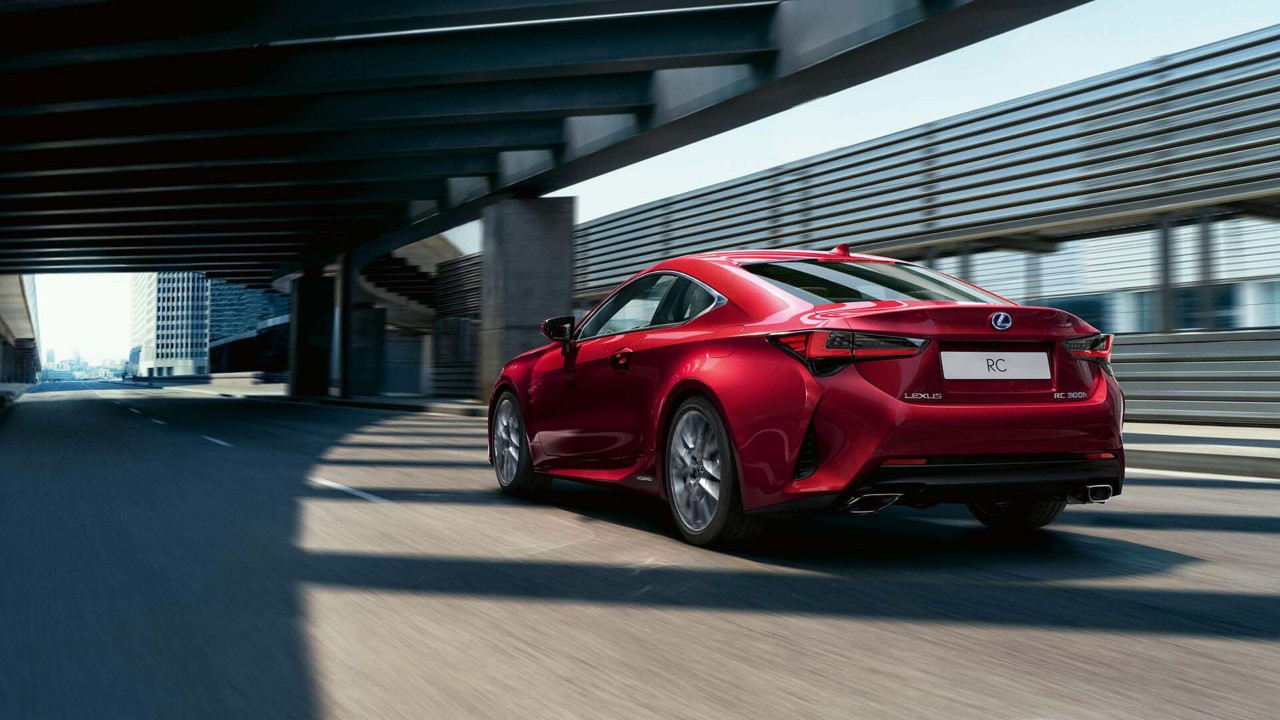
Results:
[170, 330]
[48, 358]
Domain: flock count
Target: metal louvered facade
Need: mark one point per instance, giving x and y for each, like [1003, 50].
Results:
[1195, 132]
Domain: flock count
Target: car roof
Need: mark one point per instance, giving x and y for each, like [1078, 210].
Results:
[740, 257]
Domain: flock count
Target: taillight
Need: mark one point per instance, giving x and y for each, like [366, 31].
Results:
[826, 351]
[1094, 347]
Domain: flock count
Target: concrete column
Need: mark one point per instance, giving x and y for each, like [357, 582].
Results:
[965, 270]
[356, 350]
[1208, 308]
[367, 356]
[527, 277]
[344, 285]
[1035, 287]
[1164, 274]
[310, 333]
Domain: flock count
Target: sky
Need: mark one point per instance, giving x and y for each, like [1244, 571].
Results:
[91, 312]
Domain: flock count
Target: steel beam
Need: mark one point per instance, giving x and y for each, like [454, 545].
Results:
[227, 213]
[447, 105]
[821, 46]
[308, 147]
[22, 228]
[595, 47]
[350, 194]
[69, 33]
[392, 170]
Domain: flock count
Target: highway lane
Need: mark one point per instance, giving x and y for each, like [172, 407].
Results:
[165, 554]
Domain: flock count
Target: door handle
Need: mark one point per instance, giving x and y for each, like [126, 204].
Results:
[621, 360]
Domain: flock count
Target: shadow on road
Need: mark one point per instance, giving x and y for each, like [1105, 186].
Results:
[153, 574]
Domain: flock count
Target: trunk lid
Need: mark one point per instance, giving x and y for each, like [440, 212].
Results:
[969, 360]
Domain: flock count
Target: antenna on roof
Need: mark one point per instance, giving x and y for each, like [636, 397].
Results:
[841, 249]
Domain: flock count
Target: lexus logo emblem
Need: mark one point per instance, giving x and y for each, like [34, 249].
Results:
[1001, 321]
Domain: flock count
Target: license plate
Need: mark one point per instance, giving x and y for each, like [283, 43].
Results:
[995, 366]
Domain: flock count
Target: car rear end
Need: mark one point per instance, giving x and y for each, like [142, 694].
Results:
[921, 401]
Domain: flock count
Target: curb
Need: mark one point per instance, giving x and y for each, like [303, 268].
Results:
[1201, 462]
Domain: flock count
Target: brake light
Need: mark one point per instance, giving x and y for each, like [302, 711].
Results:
[826, 351]
[1094, 347]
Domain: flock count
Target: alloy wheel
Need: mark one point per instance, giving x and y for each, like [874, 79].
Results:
[696, 467]
[508, 441]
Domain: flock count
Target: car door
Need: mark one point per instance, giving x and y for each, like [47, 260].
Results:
[587, 404]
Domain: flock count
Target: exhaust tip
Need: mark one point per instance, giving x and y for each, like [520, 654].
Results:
[871, 503]
[1099, 493]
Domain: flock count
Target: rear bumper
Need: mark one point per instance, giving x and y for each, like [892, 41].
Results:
[972, 450]
[962, 479]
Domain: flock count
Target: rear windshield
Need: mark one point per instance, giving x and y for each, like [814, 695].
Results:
[821, 282]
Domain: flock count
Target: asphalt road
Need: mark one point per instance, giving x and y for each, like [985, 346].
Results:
[171, 555]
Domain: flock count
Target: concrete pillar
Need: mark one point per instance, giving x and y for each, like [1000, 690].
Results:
[965, 270]
[526, 277]
[1035, 286]
[367, 357]
[344, 285]
[1168, 313]
[1208, 308]
[310, 333]
[356, 350]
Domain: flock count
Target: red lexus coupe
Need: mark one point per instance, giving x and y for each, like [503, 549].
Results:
[741, 384]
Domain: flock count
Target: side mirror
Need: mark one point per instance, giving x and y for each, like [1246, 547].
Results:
[558, 329]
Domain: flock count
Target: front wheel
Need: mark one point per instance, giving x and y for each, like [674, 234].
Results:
[1025, 514]
[702, 478]
[510, 446]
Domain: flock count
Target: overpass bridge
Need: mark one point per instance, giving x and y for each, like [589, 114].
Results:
[19, 336]
[262, 143]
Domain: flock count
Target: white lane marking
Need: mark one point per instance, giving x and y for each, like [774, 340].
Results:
[159, 422]
[1202, 476]
[117, 402]
[351, 491]
[216, 441]
[136, 410]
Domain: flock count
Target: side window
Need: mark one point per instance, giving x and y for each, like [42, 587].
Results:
[633, 307]
[686, 301]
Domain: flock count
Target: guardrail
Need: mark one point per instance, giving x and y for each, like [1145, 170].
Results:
[1201, 127]
[1228, 378]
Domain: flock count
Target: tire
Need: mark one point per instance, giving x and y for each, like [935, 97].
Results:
[702, 477]
[1025, 514]
[512, 464]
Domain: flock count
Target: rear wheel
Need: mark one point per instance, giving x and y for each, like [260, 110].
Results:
[511, 461]
[702, 479]
[1017, 514]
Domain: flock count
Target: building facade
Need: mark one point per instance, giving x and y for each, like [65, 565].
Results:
[177, 315]
[235, 310]
[170, 324]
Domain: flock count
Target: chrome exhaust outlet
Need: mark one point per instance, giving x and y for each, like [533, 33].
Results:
[871, 503]
[1098, 493]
